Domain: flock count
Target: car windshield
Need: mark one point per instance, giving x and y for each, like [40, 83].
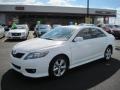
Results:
[60, 34]
[20, 27]
[44, 28]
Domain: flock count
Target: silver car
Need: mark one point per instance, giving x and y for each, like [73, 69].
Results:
[42, 29]
[2, 32]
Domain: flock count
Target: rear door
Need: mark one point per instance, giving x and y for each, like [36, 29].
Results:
[93, 45]
[99, 42]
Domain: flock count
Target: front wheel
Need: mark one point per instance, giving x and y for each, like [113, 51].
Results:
[108, 53]
[58, 67]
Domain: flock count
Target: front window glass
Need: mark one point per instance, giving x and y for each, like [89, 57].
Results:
[85, 33]
[61, 33]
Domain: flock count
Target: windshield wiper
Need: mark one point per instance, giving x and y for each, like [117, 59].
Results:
[48, 38]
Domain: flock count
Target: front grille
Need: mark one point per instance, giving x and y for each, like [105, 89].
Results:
[16, 34]
[17, 55]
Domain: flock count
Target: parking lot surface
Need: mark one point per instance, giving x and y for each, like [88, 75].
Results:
[98, 75]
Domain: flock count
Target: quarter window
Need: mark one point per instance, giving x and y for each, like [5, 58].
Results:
[96, 33]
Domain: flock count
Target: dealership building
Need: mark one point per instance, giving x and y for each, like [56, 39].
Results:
[30, 14]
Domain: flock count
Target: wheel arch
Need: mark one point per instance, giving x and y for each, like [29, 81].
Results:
[61, 55]
[110, 46]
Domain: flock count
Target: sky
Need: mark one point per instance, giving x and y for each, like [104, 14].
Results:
[112, 4]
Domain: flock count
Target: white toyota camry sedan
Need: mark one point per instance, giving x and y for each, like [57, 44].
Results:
[61, 49]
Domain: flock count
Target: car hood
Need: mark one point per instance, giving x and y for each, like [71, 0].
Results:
[17, 30]
[36, 44]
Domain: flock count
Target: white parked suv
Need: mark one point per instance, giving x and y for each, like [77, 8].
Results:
[20, 32]
[61, 49]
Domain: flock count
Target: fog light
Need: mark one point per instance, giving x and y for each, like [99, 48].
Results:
[31, 70]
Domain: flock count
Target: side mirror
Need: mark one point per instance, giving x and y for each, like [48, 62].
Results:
[78, 39]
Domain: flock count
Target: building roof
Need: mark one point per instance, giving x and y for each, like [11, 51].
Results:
[55, 9]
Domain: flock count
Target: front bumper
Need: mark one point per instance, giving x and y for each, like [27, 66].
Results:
[16, 37]
[31, 68]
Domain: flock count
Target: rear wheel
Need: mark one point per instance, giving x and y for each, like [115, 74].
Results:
[108, 53]
[58, 67]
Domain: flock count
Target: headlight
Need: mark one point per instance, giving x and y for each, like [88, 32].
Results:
[8, 34]
[35, 55]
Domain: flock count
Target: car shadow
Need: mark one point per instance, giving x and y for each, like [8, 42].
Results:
[80, 78]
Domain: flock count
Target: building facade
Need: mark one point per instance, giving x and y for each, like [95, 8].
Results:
[30, 14]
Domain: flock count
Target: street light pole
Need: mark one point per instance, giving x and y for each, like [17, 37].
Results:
[87, 8]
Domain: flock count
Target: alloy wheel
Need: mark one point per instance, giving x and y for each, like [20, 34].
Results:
[108, 54]
[59, 67]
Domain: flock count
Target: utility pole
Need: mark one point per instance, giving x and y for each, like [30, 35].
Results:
[88, 8]
[87, 18]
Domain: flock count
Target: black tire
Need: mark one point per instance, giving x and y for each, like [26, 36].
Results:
[57, 70]
[108, 53]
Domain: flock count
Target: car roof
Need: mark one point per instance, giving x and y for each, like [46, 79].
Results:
[44, 24]
[78, 27]
[21, 24]
[87, 24]
[69, 26]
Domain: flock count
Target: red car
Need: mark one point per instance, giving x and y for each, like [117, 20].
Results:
[112, 29]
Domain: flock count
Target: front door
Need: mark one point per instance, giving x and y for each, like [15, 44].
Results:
[83, 50]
